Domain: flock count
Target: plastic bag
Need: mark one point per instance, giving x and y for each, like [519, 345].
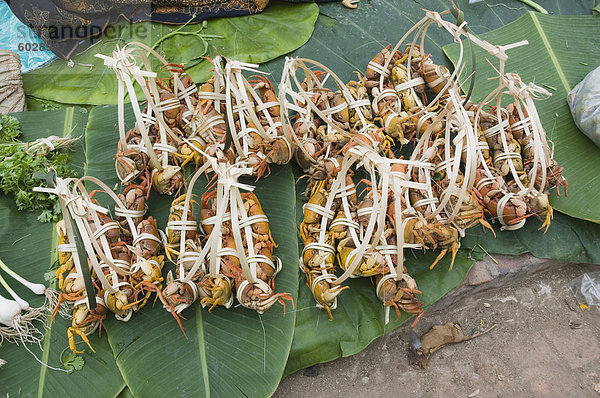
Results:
[17, 37]
[586, 289]
[584, 101]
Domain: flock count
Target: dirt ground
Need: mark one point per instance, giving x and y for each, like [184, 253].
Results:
[544, 345]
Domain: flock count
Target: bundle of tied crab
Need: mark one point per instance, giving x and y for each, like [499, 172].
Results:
[229, 118]
[109, 255]
[236, 258]
[228, 128]
[466, 162]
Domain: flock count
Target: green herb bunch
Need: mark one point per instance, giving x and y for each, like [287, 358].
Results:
[18, 162]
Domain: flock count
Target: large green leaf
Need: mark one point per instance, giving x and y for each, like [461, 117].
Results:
[223, 344]
[561, 51]
[28, 249]
[258, 38]
[568, 239]
[220, 344]
[345, 41]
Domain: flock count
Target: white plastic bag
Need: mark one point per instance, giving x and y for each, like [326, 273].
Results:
[586, 289]
[584, 101]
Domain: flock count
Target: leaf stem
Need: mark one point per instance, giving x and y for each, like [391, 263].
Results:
[535, 6]
[197, 34]
[175, 32]
[486, 252]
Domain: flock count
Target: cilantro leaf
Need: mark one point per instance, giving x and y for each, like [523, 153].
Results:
[17, 168]
[50, 275]
[73, 362]
[9, 128]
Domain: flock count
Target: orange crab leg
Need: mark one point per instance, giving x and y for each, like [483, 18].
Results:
[70, 332]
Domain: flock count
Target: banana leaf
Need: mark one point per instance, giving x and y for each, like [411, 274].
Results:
[345, 41]
[29, 249]
[258, 38]
[237, 345]
[358, 319]
[568, 239]
[561, 51]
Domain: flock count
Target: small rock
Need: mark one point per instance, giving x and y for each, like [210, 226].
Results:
[487, 305]
[474, 393]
